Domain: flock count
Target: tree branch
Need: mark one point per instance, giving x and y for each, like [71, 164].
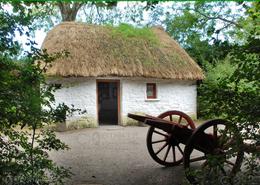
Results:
[69, 13]
[250, 148]
[77, 5]
[218, 17]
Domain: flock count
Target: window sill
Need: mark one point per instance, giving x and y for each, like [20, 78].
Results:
[152, 100]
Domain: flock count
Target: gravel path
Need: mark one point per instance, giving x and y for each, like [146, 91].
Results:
[113, 155]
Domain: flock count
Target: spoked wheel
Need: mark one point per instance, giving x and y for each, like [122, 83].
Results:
[162, 146]
[221, 161]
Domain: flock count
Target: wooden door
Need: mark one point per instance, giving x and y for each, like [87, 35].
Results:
[108, 102]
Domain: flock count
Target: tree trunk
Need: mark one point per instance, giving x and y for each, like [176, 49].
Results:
[69, 10]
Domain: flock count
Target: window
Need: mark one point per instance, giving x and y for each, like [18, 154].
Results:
[56, 85]
[151, 91]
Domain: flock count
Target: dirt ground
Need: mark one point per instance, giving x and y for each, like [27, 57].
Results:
[113, 155]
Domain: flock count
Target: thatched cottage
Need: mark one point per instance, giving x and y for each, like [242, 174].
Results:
[112, 71]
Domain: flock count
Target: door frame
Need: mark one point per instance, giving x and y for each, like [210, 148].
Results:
[118, 98]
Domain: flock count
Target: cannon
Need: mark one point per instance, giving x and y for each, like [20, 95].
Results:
[173, 139]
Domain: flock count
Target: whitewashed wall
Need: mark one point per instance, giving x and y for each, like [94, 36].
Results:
[81, 92]
[171, 95]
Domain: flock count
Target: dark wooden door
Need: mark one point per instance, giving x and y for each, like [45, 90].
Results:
[108, 102]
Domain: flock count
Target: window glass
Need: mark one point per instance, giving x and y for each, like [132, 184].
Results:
[151, 90]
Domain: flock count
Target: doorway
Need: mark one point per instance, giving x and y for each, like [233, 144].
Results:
[108, 102]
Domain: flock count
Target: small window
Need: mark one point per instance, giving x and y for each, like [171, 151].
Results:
[56, 85]
[151, 91]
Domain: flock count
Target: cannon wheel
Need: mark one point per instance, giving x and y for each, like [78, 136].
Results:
[162, 146]
[225, 160]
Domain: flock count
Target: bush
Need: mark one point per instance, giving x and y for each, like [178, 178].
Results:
[231, 91]
[216, 73]
[27, 101]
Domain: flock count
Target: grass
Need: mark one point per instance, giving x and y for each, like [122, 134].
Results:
[128, 31]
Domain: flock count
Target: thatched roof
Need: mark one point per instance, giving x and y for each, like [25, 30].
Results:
[98, 51]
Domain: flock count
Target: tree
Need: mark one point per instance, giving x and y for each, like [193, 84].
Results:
[231, 91]
[26, 101]
[204, 29]
[69, 10]
[95, 12]
[226, 45]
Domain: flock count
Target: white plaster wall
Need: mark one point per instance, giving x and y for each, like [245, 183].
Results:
[171, 95]
[81, 92]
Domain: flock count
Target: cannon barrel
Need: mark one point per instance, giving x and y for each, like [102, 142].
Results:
[142, 118]
[161, 124]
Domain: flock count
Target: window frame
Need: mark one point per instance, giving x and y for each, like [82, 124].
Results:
[154, 92]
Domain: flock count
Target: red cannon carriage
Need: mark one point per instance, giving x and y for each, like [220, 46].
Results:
[173, 138]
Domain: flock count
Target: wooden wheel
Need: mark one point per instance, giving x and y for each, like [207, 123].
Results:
[162, 146]
[221, 161]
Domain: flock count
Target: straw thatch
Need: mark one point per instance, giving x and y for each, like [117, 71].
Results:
[95, 51]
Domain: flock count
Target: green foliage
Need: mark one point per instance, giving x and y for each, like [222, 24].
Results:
[27, 101]
[231, 91]
[216, 73]
[203, 29]
[251, 25]
[24, 102]
[23, 164]
[127, 31]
